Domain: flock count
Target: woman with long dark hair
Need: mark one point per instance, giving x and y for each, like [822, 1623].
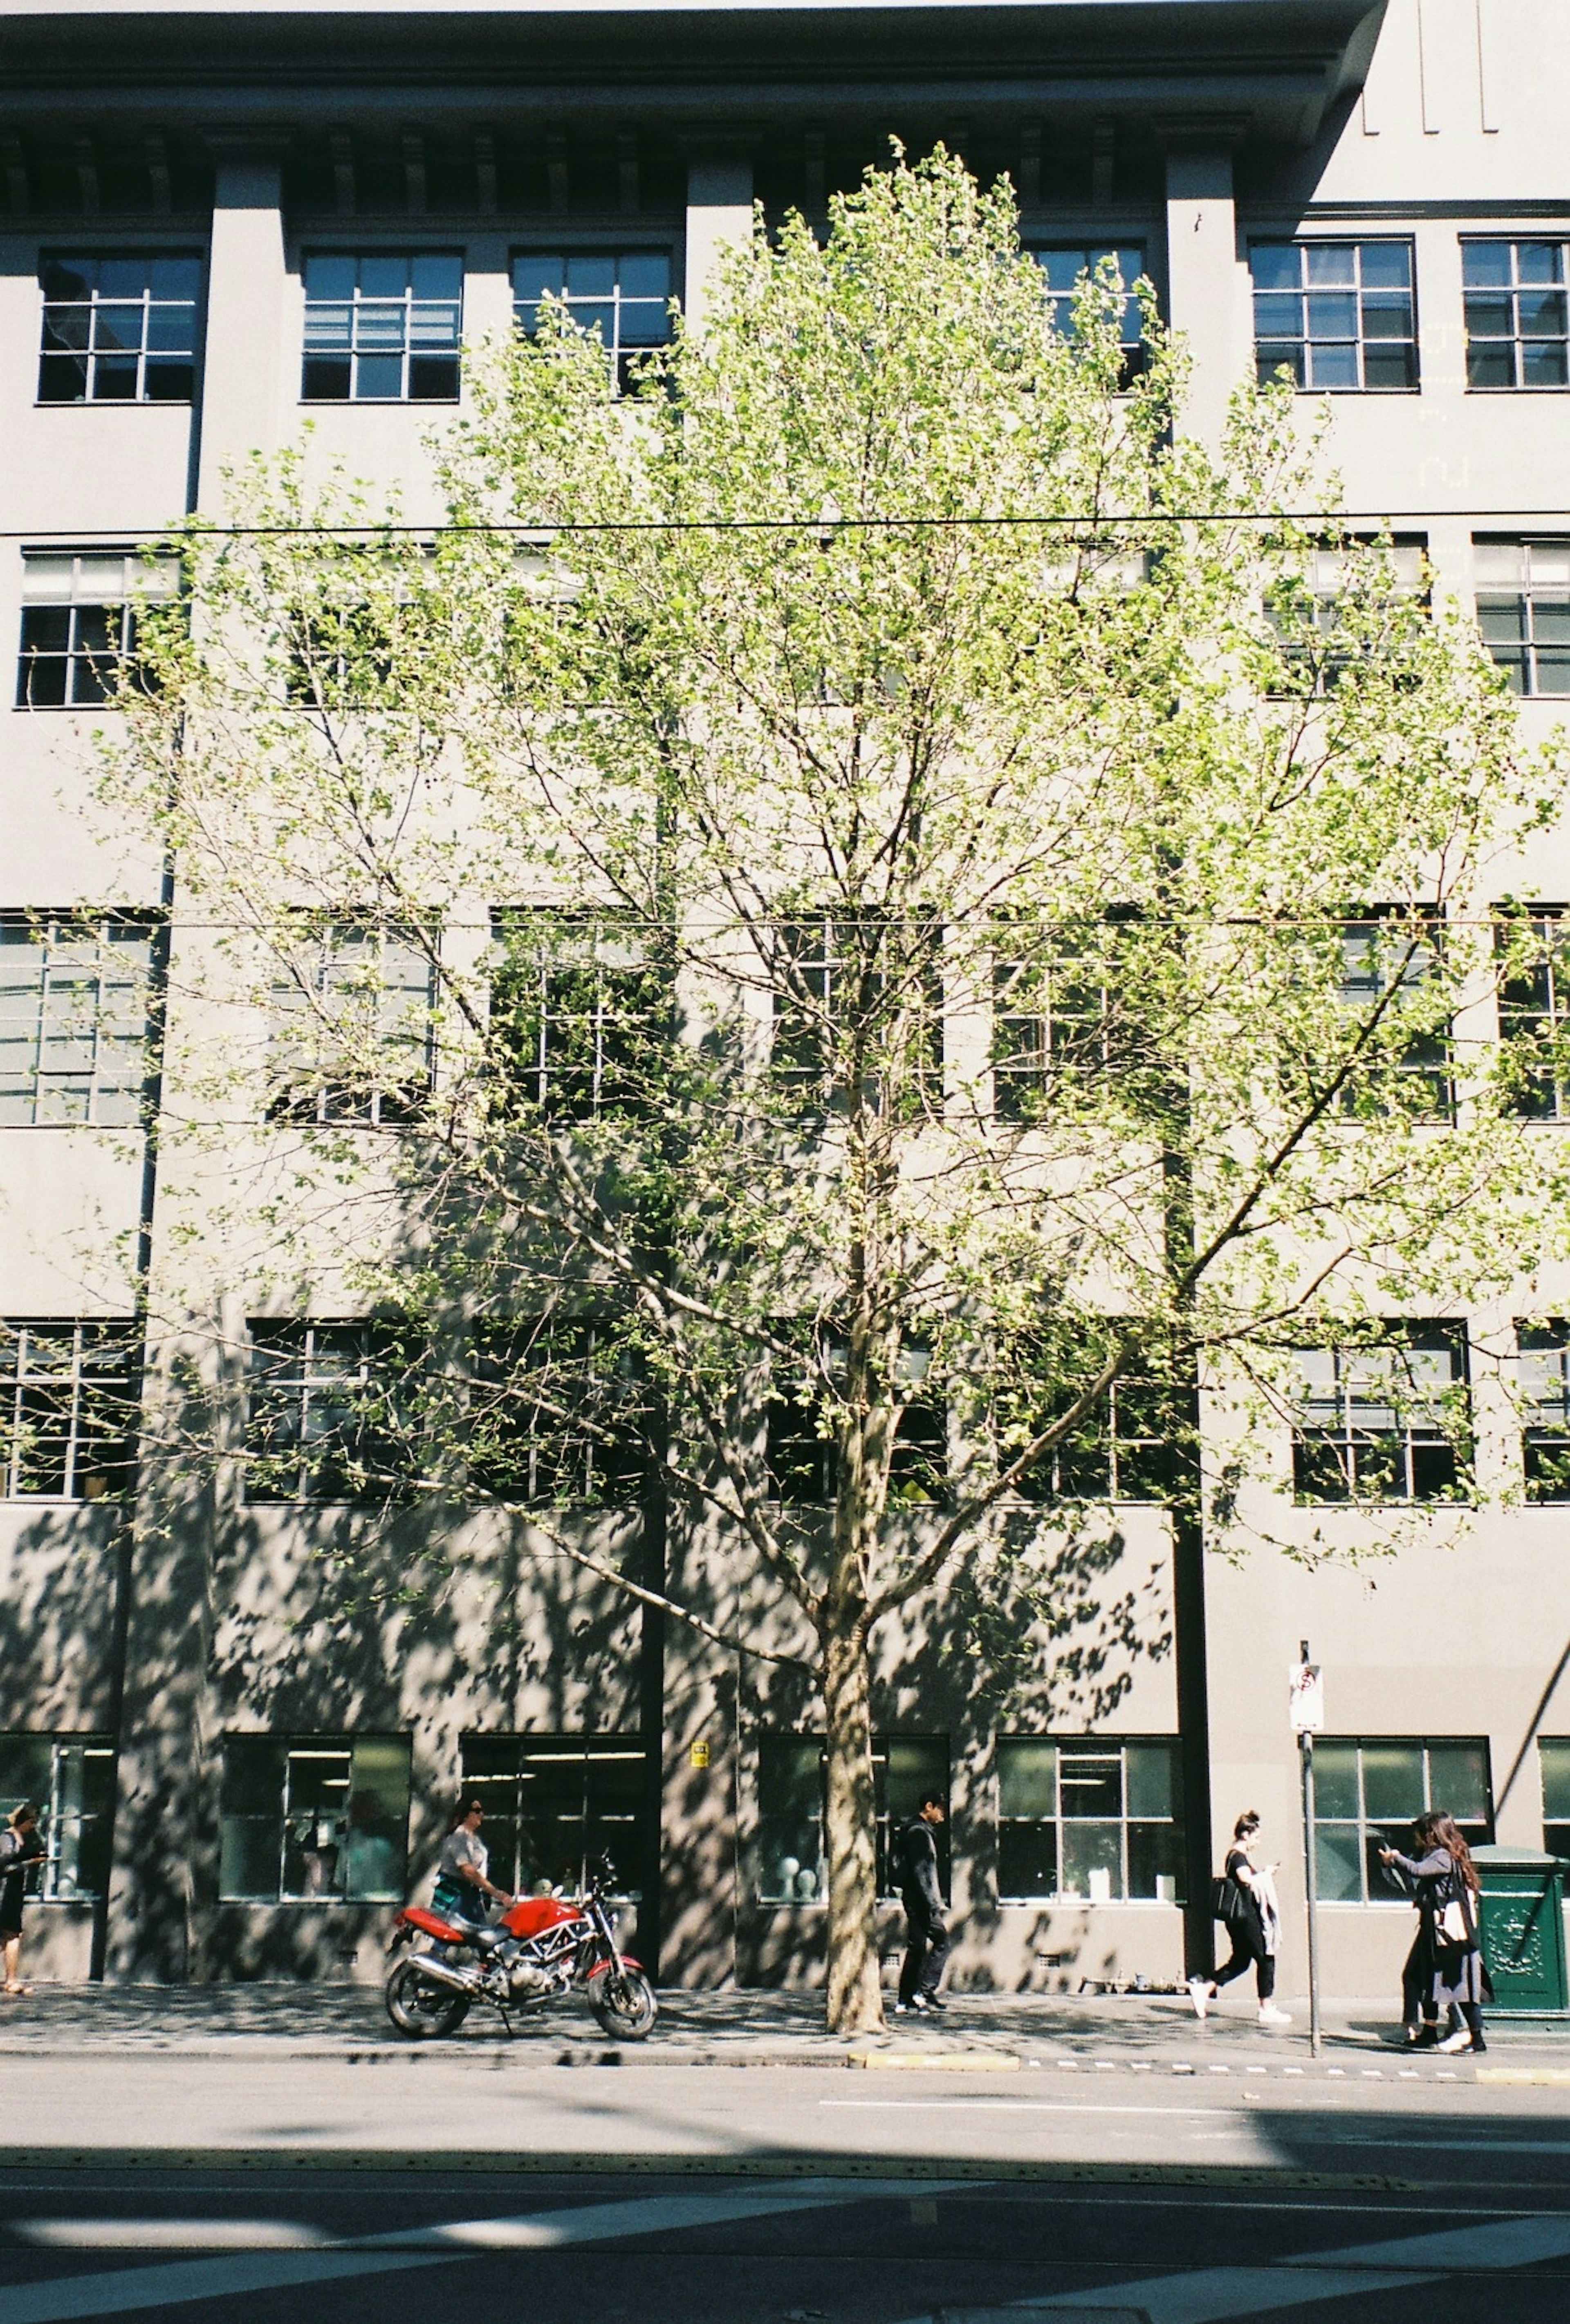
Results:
[1445, 1967]
[463, 1879]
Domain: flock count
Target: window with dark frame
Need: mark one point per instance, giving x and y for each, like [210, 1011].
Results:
[623, 294]
[1097, 1819]
[1340, 316]
[1523, 611]
[555, 1804]
[314, 1819]
[383, 326]
[73, 1019]
[804, 1464]
[1534, 1009]
[792, 1857]
[325, 1420]
[878, 975]
[1124, 1449]
[351, 1037]
[69, 1400]
[1309, 619]
[80, 613]
[1542, 1380]
[1063, 1015]
[1367, 1791]
[70, 1780]
[1389, 961]
[1518, 328]
[559, 1415]
[1063, 267]
[1387, 1423]
[579, 1017]
[1553, 1766]
[119, 328]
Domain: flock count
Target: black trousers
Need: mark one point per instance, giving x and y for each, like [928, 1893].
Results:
[1248, 1951]
[1418, 2007]
[926, 1950]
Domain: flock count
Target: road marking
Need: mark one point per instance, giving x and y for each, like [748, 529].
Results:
[1032, 2106]
[925, 2061]
[174, 2234]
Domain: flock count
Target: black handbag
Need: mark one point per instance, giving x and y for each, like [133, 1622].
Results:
[1226, 1898]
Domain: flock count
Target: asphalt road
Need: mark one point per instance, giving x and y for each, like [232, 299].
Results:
[758, 2195]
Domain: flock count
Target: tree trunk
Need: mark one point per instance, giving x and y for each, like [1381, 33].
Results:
[855, 2000]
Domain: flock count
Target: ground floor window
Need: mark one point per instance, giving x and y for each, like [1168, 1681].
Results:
[314, 1819]
[1096, 1820]
[1554, 1761]
[1367, 1790]
[556, 1803]
[69, 1780]
[793, 1860]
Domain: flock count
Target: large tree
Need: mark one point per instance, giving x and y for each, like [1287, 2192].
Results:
[936, 903]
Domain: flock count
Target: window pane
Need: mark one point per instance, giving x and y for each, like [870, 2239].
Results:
[1091, 1783]
[1325, 263]
[1093, 1861]
[328, 277]
[1553, 1755]
[1338, 1862]
[1458, 1781]
[1151, 1770]
[1486, 263]
[1027, 1778]
[1392, 1782]
[1335, 1780]
[789, 1817]
[1028, 1860]
[1386, 265]
[1155, 1862]
[1276, 265]
[375, 1842]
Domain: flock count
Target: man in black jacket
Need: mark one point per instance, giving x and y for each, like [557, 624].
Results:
[925, 1931]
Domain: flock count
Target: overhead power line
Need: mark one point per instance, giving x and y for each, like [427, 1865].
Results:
[538, 530]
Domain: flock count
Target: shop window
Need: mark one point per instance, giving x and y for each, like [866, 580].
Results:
[69, 1780]
[314, 1819]
[73, 1019]
[1095, 1820]
[555, 1805]
[119, 329]
[384, 327]
[1367, 1793]
[792, 1858]
[68, 1404]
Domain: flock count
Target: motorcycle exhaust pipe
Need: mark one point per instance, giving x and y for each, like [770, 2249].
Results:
[440, 1973]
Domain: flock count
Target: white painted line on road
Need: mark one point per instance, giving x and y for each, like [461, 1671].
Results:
[174, 2234]
[129, 2290]
[1032, 2106]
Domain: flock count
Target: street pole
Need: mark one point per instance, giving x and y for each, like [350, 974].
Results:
[1305, 1719]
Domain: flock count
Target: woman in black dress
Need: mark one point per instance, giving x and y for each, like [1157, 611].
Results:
[1445, 1963]
[20, 1849]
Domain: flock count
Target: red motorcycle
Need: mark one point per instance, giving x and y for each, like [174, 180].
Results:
[536, 1951]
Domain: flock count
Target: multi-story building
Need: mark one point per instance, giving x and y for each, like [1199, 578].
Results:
[219, 223]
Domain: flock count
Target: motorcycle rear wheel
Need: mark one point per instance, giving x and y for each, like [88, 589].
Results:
[622, 1999]
[421, 2007]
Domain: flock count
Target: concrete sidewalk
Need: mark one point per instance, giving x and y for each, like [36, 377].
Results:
[730, 2028]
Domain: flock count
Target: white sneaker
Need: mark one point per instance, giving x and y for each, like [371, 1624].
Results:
[1270, 2016]
[1199, 1995]
[1460, 2040]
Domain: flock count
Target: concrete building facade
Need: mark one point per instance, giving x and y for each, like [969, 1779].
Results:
[220, 223]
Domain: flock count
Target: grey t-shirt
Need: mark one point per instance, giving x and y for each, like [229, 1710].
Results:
[459, 1848]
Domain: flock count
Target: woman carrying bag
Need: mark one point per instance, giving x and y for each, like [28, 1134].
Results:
[1246, 1904]
[1445, 1964]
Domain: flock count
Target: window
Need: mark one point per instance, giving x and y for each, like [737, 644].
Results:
[623, 294]
[73, 1020]
[68, 1399]
[382, 327]
[1122, 1451]
[792, 1861]
[1534, 1009]
[1386, 1422]
[556, 1803]
[1063, 263]
[1063, 1016]
[804, 1464]
[1543, 1385]
[314, 1820]
[873, 985]
[1554, 1763]
[577, 1018]
[351, 1031]
[1390, 966]
[69, 1780]
[1096, 1819]
[1523, 611]
[119, 330]
[1336, 314]
[1518, 333]
[1320, 642]
[78, 625]
[561, 1414]
[1366, 1795]
[323, 1422]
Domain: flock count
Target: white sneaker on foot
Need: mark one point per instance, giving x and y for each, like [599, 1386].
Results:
[1199, 1993]
[1460, 2040]
[1270, 2016]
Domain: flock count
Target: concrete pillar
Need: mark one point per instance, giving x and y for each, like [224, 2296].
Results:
[719, 210]
[1206, 282]
[244, 387]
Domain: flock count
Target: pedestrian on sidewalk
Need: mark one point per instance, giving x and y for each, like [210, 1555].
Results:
[1252, 1920]
[1445, 1964]
[21, 1846]
[463, 1879]
[926, 1930]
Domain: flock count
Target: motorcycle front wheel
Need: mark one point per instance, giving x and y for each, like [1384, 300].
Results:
[622, 1999]
[421, 2007]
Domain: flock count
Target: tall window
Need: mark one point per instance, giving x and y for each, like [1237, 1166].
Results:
[1534, 1009]
[555, 1805]
[317, 1819]
[1097, 1820]
[792, 1860]
[1523, 611]
[623, 294]
[877, 980]
[577, 1016]
[1517, 332]
[1390, 968]
[119, 330]
[1063, 265]
[324, 1420]
[1554, 1763]
[804, 1463]
[1384, 1424]
[1543, 1385]
[1122, 1451]
[78, 625]
[1338, 315]
[73, 1019]
[69, 1395]
[1367, 1793]
[350, 1038]
[69, 1779]
[561, 1414]
[382, 327]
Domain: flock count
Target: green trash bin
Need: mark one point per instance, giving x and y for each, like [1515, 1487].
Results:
[1523, 1931]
